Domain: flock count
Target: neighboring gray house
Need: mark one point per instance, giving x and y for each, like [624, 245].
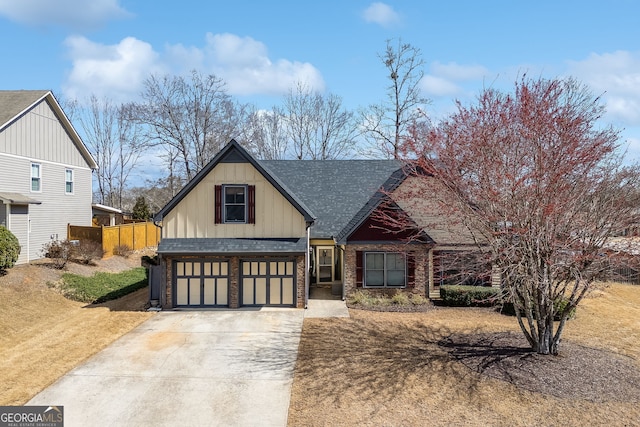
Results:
[45, 171]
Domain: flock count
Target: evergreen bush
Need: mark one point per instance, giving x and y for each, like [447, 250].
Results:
[9, 249]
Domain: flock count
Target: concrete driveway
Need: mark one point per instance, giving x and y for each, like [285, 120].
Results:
[187, 368]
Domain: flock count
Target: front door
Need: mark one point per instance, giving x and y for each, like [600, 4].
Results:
[326, 264]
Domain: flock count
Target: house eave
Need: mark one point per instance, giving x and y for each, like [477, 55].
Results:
[17, 199]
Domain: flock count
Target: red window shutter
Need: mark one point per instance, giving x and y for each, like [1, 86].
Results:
[252, 204]
[218, 204]
[411, 271]
[359, 269]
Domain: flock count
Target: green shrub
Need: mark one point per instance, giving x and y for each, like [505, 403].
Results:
[9, 249]
[400, 298]
[468, 296]
[417, 299]
[59, 251]
[364, 298]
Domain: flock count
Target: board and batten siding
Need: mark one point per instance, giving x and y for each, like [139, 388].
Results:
[194, 215]
[38, 134]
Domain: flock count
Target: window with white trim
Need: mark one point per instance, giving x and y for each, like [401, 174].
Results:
[36, 184]
[68, 181]
[385, 270]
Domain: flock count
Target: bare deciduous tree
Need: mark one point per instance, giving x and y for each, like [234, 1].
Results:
[114, 141]
[195, 117]
[318, 127]
[267, 134]
[547, 188]
[386, 124]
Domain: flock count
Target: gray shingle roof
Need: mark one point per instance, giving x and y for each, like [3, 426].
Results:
[18, 199]
[334, 190]
[204, 246]
[14, 102]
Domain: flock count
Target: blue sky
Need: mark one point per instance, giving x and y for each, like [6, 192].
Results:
[261, 49]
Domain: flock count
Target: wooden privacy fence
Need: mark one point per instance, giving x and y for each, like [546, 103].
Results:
[137, 235]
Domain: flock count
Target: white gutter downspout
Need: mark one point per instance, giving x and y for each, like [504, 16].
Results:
[306, 269]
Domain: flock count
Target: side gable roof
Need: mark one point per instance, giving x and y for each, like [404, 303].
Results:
[16, 103]
[234, 153]
[334, 189]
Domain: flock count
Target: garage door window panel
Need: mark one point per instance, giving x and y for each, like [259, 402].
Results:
[201, 283]
[268, 283]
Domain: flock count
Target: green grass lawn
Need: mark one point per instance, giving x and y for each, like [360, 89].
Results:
[103, 287]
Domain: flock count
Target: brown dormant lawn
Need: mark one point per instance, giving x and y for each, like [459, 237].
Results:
[456, 366]
[44, 335]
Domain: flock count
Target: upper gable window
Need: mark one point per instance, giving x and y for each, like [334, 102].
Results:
[68, 181]
[235, 204]
[36, 184]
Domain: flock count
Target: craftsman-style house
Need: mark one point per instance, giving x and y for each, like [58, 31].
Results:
[248, 232]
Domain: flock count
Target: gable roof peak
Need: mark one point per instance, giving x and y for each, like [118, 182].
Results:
[233, 152]
[16, 103]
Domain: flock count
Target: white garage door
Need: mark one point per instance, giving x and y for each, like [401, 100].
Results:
[201, 283]
[268, 282]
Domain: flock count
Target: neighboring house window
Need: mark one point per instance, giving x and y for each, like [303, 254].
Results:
[35, 177]
[235, 204]
[68, 181]
[385, 270]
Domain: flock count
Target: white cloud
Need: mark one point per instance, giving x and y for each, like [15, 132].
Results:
[242, 62]
[438, 86]
[76, 14]
[617, 76]
[446, 79]
[246, 67]
[459, 72]
[113, 71]
[382, 14]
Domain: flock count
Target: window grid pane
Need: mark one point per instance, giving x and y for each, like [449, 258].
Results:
[68, 181]
[234, 204]
[35, 177]
[385, 270]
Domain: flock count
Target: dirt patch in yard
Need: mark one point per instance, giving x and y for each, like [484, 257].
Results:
[458, 366]
[44, 335]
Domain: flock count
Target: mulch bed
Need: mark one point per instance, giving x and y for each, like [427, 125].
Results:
[396, 308]
[578, 372]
